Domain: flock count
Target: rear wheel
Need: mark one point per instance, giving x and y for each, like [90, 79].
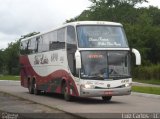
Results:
[65, 92]
[36, 91]
[30, 87]
[106, 98]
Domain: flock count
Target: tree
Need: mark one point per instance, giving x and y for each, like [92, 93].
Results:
[2, 61]
[29, 35]
[12, 58]
[142, 25]
[9, 57]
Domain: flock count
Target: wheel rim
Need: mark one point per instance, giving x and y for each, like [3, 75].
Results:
[36, 91]
[30, 88]
[66, 94]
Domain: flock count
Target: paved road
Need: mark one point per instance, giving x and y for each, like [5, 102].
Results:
[27, 109]
[133, 103]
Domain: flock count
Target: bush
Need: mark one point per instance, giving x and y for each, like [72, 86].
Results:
[147, 72]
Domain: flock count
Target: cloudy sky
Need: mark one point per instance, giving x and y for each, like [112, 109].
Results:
[19, 17]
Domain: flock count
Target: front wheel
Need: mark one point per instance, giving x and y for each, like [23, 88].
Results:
[65, 92]
[106, 98]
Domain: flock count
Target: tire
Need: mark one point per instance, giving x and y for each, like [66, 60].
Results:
[30, 87]
[106, 98]
[35, 90]
[65, 93]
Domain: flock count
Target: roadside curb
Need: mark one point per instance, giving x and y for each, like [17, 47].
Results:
[145, 84]
[146, 95]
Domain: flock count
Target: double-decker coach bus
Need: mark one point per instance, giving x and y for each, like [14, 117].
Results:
[86, 59]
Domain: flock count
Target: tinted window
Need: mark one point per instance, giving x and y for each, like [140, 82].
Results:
[53, 41]
[40, 43]
[24, 47]
[32, 46]
[71, 49]
[71, 37]
[45, 42]
[99, 36]
[57, 39]
[119, 64]
[105, 64]
[61, 38]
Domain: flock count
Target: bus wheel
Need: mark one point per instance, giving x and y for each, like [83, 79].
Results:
[30, 87]
[67, 97]
[36, 91]
[106, 98]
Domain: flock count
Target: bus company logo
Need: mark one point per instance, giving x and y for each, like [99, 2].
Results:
[61, 59]
[108, 85]
[125, 81]
[54, 57]
[99, 83]
[40, 59]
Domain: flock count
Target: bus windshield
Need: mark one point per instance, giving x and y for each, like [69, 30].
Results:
[101, 36]
[105, 65]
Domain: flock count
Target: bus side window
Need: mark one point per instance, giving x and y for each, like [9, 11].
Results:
[53, 41]
[40, 44]
[24, 47]
[71, 49]
[61, 38]
[32, 46]
[45, 42]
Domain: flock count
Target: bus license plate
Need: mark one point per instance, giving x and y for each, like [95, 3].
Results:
[108, 92]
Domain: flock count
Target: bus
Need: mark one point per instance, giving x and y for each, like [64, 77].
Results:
[84, 59]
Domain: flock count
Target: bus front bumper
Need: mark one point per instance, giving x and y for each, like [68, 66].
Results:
[105, 92]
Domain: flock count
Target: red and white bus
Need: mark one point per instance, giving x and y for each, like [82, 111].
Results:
[86, 59]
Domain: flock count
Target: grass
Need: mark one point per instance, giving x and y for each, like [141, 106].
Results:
[9, 77]
[152, 81]
[150, 90]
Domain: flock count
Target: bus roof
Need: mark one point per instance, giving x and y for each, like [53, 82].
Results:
[94, 23]
[78, 23]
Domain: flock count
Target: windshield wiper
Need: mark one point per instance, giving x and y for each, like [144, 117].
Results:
[99, 77]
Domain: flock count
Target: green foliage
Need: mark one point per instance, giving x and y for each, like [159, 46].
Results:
[147, 72]
[151, 81]
[142, 25]
[12, 58]
[9, 57]
[150, 90]
[29, 35]
[9, 77]
[1, 61]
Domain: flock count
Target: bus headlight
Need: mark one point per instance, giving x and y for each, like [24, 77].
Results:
[128, 84]
[87, 86]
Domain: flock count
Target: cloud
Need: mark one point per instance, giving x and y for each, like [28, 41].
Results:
[19, 17]
[5, 39]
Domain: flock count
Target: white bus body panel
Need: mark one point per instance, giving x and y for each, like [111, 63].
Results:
[48, 62]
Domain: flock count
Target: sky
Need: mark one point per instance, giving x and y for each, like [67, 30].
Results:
[20, 17]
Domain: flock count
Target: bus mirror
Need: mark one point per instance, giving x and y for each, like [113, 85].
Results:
[138, 56]
[78, 59]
